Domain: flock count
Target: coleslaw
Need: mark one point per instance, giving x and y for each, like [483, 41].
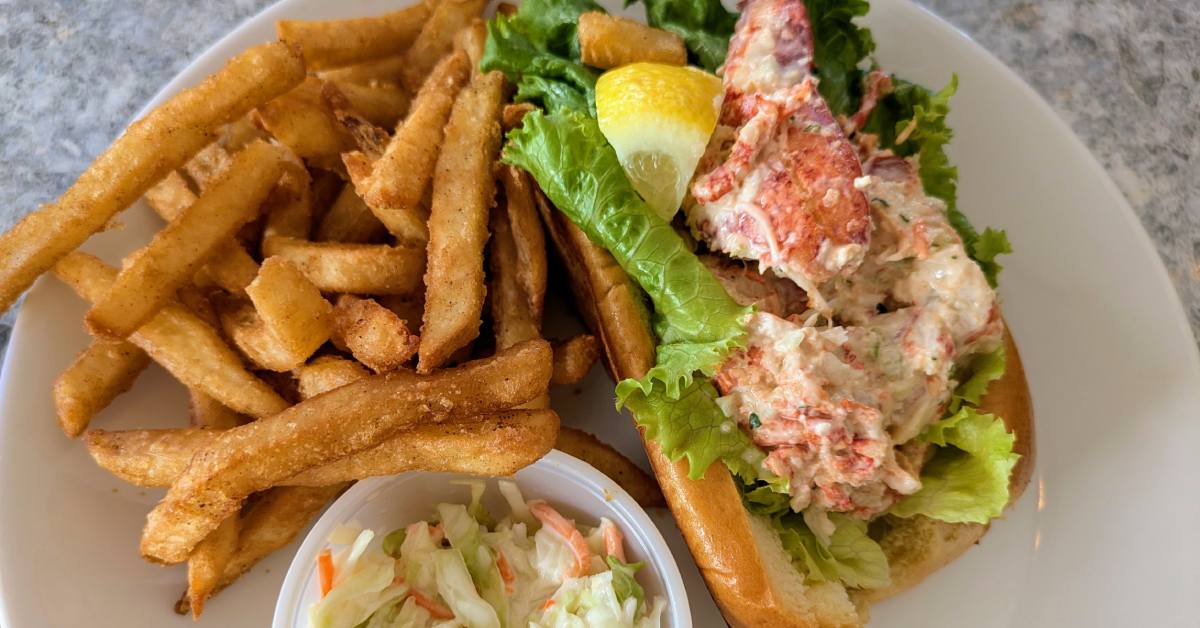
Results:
[533, 567]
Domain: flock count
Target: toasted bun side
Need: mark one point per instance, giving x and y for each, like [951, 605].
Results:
[741, 558]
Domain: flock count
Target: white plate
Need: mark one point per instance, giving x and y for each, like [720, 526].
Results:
[1105, 537]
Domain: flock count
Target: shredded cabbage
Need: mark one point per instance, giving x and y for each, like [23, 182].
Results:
[447, 572]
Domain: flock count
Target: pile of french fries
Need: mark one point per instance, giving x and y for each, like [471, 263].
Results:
[333, 246]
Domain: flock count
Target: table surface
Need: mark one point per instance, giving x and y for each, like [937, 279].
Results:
[1124, 75]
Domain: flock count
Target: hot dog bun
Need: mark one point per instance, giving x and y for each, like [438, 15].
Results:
[741, 558]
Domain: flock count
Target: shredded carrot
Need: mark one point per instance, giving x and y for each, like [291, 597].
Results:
[547, 604]
[552, 519]
[613, 541]
[325, 569]
[436, 610]
[506, 572]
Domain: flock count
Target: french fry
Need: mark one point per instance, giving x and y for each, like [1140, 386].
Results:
[148, 150]
[98, 375]
[182, 343]
[436, 38]
[235, 135]
[274, 520]
[463, 194]
[247, 331]
[382, 105]
[514, 114]
[303, 121]
[373, 334]
[574, 358]
[208, 165]
[354, 268]
[643, 488]
[409, 307]
[326, 373]
[608, 41]
[512, 320]
[231, 267]
[338, 43]
[496, 444]
[196, 300]
[394, 184]
[151, 275]
[207, 563]
[291, 308]
[350, 220]
[207, 412]
[317, 431]
[289, 207]
[471, 40]
[382, 71]
[527, 236]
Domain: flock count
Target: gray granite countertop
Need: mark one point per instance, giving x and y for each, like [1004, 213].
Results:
[1125, 75]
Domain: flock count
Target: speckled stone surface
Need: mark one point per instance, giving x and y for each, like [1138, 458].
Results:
[1125, 75]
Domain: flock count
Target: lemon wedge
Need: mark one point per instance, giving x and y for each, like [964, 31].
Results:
[658, 118]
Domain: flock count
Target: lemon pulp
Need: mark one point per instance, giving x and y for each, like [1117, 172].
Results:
[658, 118]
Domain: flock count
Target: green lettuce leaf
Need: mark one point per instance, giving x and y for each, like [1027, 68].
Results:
[839, 47]
[553, 25]
[625, 582]
[851, 557]
[692, 426]
[704, 25]
[967, 479]
[984, 369]
[697, 321]
[554, 81]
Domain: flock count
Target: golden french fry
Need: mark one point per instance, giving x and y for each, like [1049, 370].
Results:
[151, 275]
[304, 122]
[289, 207]
[527, 235]
[574, 358]
[373, 334]
[210, 413]
[643, 488]
[394, 184]
[273, 521]
[291, 308]
[514, 114]
[436, 38]
[496, 444]
[350, 220]
[208, 165]
[208, 561]
[259, 455]
[231, 267]
[246, 329]
[148, 150]
[337, 43]
[463, 193]
[354, 268]
[382, 105]
[512, 320]
[183, 344]
[471, 40]
[382, 71]
[608, 41]
[196, 300]
[98, 375]
[326, 373]
[235, 135]
[409, 307]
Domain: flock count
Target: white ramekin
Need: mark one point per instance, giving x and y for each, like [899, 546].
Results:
[573, 486]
